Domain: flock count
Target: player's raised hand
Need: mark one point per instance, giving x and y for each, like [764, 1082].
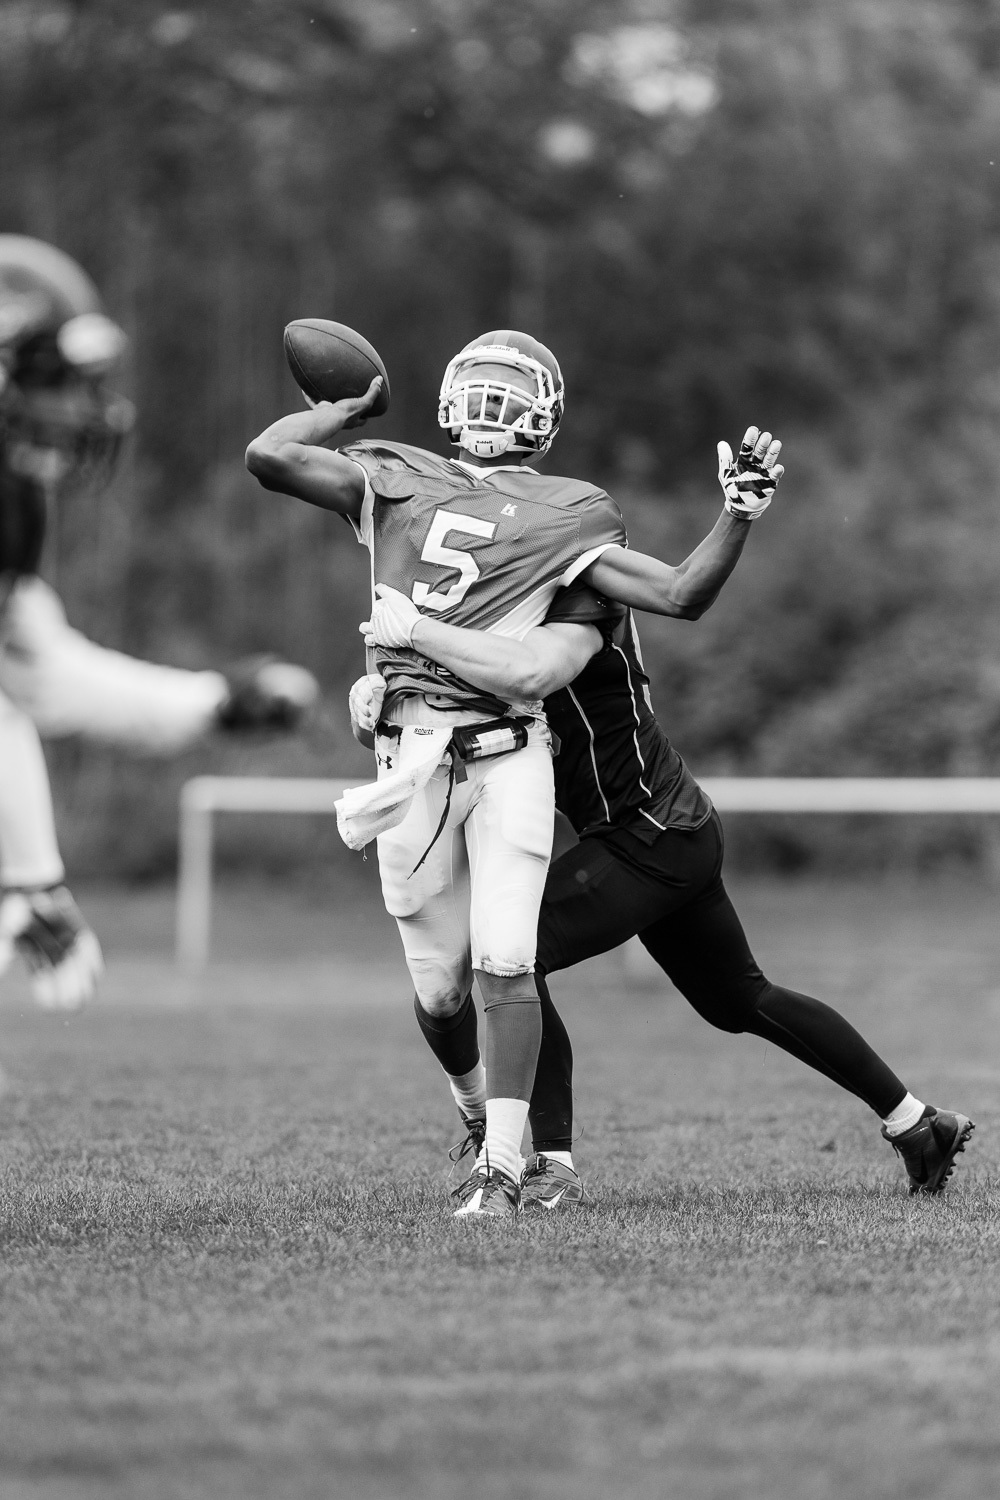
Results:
[749, 481]
[267, 694]
[366, 702]
[62, 954]
[392, 620]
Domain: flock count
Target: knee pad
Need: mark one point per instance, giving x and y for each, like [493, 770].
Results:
[440, 990]
[404, 892]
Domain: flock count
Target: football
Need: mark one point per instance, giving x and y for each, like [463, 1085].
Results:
[330, 362]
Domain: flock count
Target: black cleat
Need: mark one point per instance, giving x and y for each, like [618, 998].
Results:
[474, 1140]
[930, 1146]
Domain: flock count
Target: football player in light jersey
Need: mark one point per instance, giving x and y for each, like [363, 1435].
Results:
[61, 426]
[463, 810]
[648, 862]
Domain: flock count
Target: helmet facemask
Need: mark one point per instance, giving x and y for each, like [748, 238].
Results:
[60, 424]
[489, 416]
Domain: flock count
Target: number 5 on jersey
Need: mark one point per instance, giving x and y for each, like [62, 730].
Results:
[450, 557]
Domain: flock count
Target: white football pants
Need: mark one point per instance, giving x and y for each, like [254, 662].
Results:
[474, 902]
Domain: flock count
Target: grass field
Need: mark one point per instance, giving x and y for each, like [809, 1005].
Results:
[229, 1266]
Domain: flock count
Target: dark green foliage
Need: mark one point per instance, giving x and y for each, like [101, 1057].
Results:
[815, 251]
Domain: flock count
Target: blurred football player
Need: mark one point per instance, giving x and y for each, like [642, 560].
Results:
[648, 862]
[61, 427]
[463, 808]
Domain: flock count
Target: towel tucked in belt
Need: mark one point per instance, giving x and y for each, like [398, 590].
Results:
[366, 811]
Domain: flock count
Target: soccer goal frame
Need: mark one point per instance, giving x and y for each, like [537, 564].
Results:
[205, 796]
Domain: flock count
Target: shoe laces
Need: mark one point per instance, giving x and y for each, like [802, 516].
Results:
[473, 1141]
[477, 1178]
[498, 1182]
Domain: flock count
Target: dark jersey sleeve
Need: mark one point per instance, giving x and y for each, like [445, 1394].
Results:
[579, 604]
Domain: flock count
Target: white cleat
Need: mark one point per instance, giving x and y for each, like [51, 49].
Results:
[488, 1193]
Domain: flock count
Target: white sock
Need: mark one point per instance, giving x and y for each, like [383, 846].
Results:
[564, 1158]
[505, 1122]
[903, 1116]
[469, 1091]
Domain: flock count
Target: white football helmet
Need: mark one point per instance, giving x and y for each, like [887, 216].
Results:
[502, 393]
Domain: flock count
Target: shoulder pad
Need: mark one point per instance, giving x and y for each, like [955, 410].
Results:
[397, 470]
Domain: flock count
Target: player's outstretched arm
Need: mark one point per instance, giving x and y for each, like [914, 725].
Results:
[289, 456]
[66, 684]
[547, 658]
[687, 590]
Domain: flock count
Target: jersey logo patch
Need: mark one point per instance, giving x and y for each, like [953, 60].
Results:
[509, 510]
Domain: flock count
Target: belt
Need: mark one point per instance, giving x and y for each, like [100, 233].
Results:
[470, 742]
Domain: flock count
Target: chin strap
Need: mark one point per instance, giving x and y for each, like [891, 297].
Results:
[487, 444]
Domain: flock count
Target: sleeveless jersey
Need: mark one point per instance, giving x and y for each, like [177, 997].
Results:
[485, 549]
[615, 767]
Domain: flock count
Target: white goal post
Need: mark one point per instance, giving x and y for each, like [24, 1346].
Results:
[205, 796]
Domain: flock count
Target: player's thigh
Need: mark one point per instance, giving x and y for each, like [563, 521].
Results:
[509, 838]
[430, 903]
[592, 902]
[705, 953]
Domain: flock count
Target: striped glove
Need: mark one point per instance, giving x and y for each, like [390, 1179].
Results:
[749, 481]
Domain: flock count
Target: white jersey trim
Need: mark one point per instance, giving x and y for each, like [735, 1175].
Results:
[635, 715]
[493, 468]
[593, 757]
[364, 526]
[526, 615]
[584, 561]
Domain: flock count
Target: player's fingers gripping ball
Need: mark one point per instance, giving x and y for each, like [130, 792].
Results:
[749, 481]
[392, 620]
[366, 701]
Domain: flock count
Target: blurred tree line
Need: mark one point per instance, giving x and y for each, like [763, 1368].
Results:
[716, 212]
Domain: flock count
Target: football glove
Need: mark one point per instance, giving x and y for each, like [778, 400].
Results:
[266, 694]
[366, 702]
[749, 481]
[62, 954]
[392, 621]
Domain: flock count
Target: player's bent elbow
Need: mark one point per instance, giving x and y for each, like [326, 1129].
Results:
[539, 679]
[528, 685]
[545, 683]
[264, 464]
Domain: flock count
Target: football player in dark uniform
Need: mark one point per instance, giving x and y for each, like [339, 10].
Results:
[463, 808]
[649, 863]
[61, 427]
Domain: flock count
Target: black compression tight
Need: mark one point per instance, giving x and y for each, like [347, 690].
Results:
[671, 893]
